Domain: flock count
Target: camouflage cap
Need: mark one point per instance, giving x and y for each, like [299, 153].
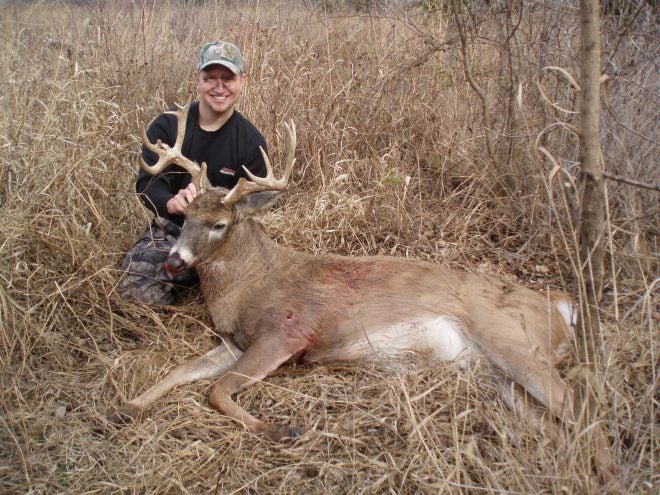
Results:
[222, 53]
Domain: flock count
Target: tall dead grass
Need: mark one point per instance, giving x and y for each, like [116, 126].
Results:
[391, 160]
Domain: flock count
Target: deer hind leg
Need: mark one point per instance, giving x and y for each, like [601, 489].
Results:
[514, 397]
[210, 365]
[262, 358]
[560, 404]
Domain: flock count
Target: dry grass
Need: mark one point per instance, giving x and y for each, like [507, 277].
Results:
[391, 160]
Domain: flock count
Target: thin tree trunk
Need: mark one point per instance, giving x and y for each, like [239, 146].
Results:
[596, 451]
[592, 214]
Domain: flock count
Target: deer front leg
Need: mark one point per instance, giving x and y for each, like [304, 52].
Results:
[210, 365]
[263, 357]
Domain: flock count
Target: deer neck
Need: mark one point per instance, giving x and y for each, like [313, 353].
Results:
[244, 268]
[246, 256]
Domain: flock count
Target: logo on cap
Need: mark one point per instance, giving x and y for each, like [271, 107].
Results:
[223, 53]
[224, 50]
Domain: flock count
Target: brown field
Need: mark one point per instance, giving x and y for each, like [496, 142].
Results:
[391, 160]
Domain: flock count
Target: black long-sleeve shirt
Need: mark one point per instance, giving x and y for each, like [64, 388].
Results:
[225, 151]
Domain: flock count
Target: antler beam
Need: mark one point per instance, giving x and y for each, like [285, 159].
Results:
[168, 155]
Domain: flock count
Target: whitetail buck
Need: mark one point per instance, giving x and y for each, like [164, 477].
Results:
[277, 305]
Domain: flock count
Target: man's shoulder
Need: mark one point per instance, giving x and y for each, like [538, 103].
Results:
[246, 128]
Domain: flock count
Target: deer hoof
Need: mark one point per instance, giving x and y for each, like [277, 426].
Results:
[295, 432]
[278, 433]
[124, 415]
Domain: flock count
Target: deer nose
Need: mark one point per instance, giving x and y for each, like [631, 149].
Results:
[175, 264]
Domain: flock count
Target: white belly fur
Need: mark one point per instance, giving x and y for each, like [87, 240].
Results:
[439, 337]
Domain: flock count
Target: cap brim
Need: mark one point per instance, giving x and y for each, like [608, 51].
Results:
[224, 63]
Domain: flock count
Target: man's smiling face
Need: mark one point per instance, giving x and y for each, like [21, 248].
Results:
[219, 89]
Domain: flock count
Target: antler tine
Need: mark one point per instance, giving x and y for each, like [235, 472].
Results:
[181, 114]
[168, 155]
[269, 183]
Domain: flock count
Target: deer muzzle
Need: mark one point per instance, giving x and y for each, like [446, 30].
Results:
[175, 264]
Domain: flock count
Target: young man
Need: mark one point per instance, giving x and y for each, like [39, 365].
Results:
[216, 133]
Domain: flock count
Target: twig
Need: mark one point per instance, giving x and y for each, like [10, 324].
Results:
[631, 182]
[475, 86]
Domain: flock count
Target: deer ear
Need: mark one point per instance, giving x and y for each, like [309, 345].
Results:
[257, 202]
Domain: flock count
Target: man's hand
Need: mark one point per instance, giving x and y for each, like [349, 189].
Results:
[179, 202]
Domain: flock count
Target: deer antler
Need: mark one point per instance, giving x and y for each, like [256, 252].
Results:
[269, 183]
[168, 155]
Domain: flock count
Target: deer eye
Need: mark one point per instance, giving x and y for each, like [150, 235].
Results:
[219, 226]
